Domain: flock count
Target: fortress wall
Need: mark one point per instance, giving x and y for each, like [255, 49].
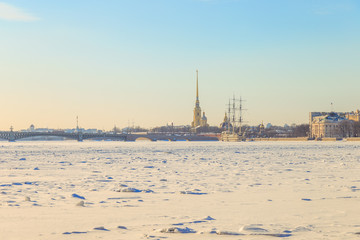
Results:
[281, 139]
[353, 139]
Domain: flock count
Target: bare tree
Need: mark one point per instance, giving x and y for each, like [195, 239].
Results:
[346, 128]
[356, 129]
[301, 130]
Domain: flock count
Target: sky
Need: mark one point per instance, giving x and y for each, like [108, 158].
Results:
[134, 62]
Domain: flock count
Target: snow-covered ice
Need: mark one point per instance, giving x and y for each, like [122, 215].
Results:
[179, 190]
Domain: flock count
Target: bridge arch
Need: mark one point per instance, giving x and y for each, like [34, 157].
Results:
[144, 139]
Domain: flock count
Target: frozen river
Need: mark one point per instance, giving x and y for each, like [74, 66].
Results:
[179, 190]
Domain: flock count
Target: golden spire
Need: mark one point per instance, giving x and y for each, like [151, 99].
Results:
[225, 118]
[197, 85]
[197, 102]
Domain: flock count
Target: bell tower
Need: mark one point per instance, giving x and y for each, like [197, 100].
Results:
[197, 110]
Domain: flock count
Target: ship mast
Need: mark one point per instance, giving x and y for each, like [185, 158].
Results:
[240, 116]
[229, 118]
[235, 117]
[234, 114]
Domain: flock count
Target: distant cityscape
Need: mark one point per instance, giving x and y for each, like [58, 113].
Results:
[321, 125]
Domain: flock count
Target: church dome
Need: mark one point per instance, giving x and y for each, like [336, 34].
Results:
[225, 124]
[204, 117]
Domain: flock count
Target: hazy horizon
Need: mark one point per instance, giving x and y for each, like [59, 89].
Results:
[116, 62]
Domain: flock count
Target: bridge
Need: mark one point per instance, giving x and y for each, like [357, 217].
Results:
[12, 136]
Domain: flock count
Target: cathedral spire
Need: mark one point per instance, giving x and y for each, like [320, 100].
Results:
[197, 102]
[197, 85]
[198, 121]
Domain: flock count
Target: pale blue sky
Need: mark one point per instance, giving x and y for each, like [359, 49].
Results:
[114, 61]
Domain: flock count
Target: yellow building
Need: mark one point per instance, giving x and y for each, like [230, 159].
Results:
[332, 125]
[198, 121]
[354, 116]
[325, 125]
